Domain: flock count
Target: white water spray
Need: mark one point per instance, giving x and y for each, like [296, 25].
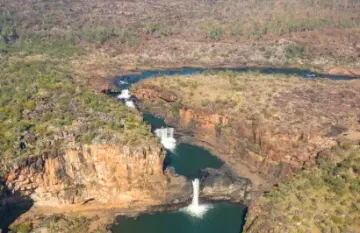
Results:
[166, 136]
[196, 190]
[195, 209]
[122, 82]
[124, 95]
[130, 103]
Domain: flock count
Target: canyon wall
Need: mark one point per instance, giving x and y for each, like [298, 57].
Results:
[233, 140]
[308, 117]
[97, 173]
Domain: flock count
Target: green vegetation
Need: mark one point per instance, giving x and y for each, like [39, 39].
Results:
[226, 91]
[295, 51]
[24, 227]
[45, 106]
[180, 32]
[215, 32]
[324, 198]
[98, 34]
[58, 223]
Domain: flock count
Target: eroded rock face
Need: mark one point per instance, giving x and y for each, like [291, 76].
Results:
[216, 185]
[223, 184]
[306, 118]
[101, 173]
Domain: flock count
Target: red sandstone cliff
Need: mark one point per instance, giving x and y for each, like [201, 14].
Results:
[104, 174]
[310, 116]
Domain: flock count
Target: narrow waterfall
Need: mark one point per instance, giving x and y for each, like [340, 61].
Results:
[195, 209]
[196, 185]
[166, 136]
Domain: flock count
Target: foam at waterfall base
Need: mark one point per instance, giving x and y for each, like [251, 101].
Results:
[197, 211]
[169, 143]
[130, 104]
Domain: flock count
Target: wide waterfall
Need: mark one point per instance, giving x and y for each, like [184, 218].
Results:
[195, 209]
[125, 96]
[166, 136]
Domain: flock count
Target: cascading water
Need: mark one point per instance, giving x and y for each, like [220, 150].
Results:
[125, 95]
[130, 104]
[195, 209]
[196, 190]
[166, 136]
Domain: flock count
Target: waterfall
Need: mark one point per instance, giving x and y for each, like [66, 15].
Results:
[195, 209]
[166, 136]
[124, 95]
[196, 185]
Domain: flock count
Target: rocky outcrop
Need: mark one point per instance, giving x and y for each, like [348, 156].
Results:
[224, 184]
[96, 173]
[221, 184]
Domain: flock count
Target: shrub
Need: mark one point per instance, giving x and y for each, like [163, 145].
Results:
[22, 228]
[215, 32]
[237, 31]
[257, 30]
[130, 37]
[99, 34]
[159, 29]
[295, 51]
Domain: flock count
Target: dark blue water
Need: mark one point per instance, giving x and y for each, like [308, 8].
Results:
[222, 218]
[125, 81]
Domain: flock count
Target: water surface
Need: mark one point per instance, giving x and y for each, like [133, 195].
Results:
[125, 81]
[221, 218]
[187, 159]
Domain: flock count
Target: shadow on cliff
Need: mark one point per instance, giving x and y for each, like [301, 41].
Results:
[12, 206]
[243, 220]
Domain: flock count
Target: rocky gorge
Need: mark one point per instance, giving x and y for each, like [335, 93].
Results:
[293, 133]
[72, 158]
[239, 127]
[271, 132]
[119, 179]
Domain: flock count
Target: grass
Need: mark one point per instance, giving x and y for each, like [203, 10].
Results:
[58, 223]
[284, 119]
[215, 32]
[180, 33]
[225, 91]
[323, 197]
[261, 111]
[43, 101]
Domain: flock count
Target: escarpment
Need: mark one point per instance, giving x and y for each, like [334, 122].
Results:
[100, 173]
[272, 125]
[62, 144]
